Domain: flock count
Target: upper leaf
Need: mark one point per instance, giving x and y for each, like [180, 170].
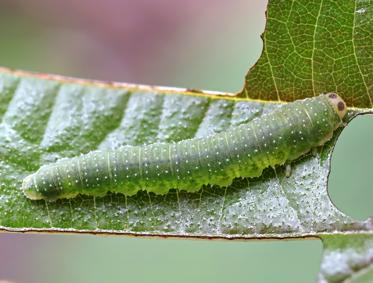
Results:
[313, 47]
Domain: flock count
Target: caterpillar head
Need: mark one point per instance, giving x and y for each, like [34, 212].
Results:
[338, 104]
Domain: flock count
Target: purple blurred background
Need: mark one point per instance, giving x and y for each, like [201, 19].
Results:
[164, 42]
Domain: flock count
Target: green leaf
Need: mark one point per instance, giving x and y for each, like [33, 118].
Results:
[48, 118]
[313, 47]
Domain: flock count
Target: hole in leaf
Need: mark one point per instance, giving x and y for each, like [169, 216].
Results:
[351, 177]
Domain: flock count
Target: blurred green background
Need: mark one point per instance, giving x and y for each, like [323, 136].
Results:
[198, 44]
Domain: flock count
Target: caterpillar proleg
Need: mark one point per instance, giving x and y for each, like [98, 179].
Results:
[243, 151]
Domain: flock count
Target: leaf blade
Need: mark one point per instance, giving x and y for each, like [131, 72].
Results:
[313, 47]
[272, 206]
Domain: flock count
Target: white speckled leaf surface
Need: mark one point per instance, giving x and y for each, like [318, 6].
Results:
[62, 118]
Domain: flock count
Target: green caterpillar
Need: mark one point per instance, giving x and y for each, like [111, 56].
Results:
[243, 151]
